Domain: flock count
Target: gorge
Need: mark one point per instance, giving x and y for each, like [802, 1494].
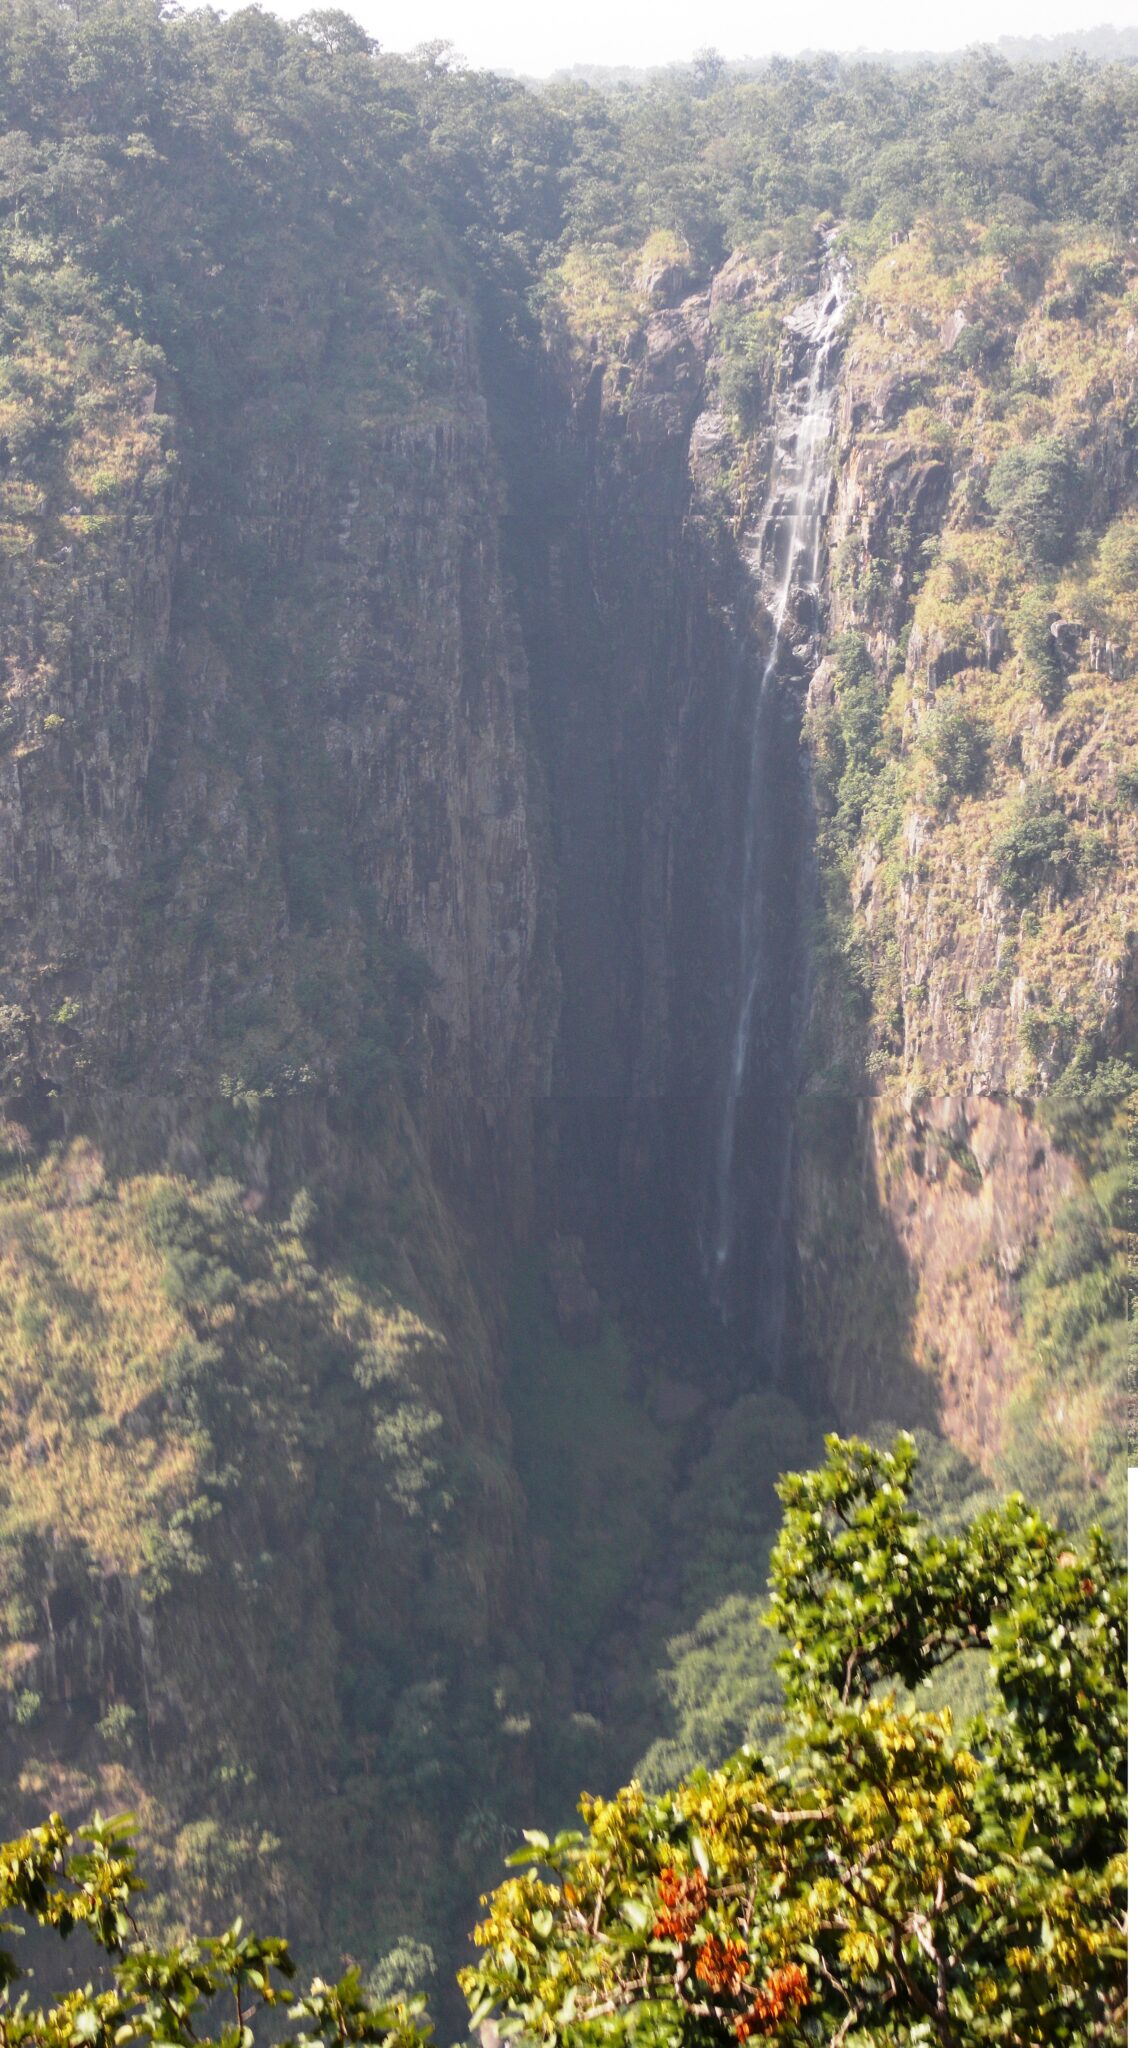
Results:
[567, 873]
[786, 557]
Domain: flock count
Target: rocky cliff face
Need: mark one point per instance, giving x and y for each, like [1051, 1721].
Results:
[980, 965]
[647, 633]
[954, 967]
[394, 804]
[271, 841]
[252, 736]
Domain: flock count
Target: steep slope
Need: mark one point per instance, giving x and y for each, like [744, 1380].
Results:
[975, 739]
[675, 780]
[523, 720]
[271, 939]
[970, 747]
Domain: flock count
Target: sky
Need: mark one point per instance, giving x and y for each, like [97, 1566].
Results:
[540, 36]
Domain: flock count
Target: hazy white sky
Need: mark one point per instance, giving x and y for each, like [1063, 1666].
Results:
[537, 37]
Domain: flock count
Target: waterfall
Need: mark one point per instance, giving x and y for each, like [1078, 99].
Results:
[784, 557]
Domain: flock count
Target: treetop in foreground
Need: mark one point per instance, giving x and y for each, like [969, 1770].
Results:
[886, 1880]
[208, 1993]
[891, 1878]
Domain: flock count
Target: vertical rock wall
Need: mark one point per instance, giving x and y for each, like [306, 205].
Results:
[647, 634]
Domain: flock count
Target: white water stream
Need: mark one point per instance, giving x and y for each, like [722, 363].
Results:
[785, 558]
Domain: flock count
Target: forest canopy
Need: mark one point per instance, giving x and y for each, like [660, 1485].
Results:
[896, 1876]
[890, 1876]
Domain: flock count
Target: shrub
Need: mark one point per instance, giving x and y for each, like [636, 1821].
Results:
[194, 1280]
[1037, 851]
[1035, 644]
[747, 357]
[957, 745]
[304, 1213]
[1116, 563]
[975, 345]
[1093, 857]
[848, 759]
[1078, 1242]
[403, 1971]
[1086, 1101]
[117, 1728]
[1033, 492]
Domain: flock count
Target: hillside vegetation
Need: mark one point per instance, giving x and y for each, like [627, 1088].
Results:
[383, 447]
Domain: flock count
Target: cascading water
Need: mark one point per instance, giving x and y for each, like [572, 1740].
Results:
[785, 559]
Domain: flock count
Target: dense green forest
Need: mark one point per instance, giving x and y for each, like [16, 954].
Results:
[384, 453]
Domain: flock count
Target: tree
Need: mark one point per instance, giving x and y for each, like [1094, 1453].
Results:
[957, 745]
[1033, 492]
[51, 1879]
[1037, 850]
[336, 33]
[891, 1879]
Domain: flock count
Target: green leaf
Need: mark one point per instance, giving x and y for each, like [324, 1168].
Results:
[638, 1913]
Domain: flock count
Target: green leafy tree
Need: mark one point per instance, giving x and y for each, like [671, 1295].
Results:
[892, 1879]
[1033, 491]
[212, 1990]
[1037, 850]
[957, 745]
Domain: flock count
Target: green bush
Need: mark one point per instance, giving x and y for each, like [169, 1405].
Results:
[1037, 851]
[52, 1881]
[1116, 563]
[1086, 1102]
[975, 345]
[721, 1684]
[1035, 644]
[848, 753]
[957, 745]
[748, 345]
[1078, 1242]
[405, 1970]
[1033, 491]
[118, 1728]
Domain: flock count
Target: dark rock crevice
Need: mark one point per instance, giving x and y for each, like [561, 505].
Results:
[646, 633]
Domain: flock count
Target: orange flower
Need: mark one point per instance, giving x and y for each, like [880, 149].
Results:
[786, 1987]
[720, 1964]
[683, 1900]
